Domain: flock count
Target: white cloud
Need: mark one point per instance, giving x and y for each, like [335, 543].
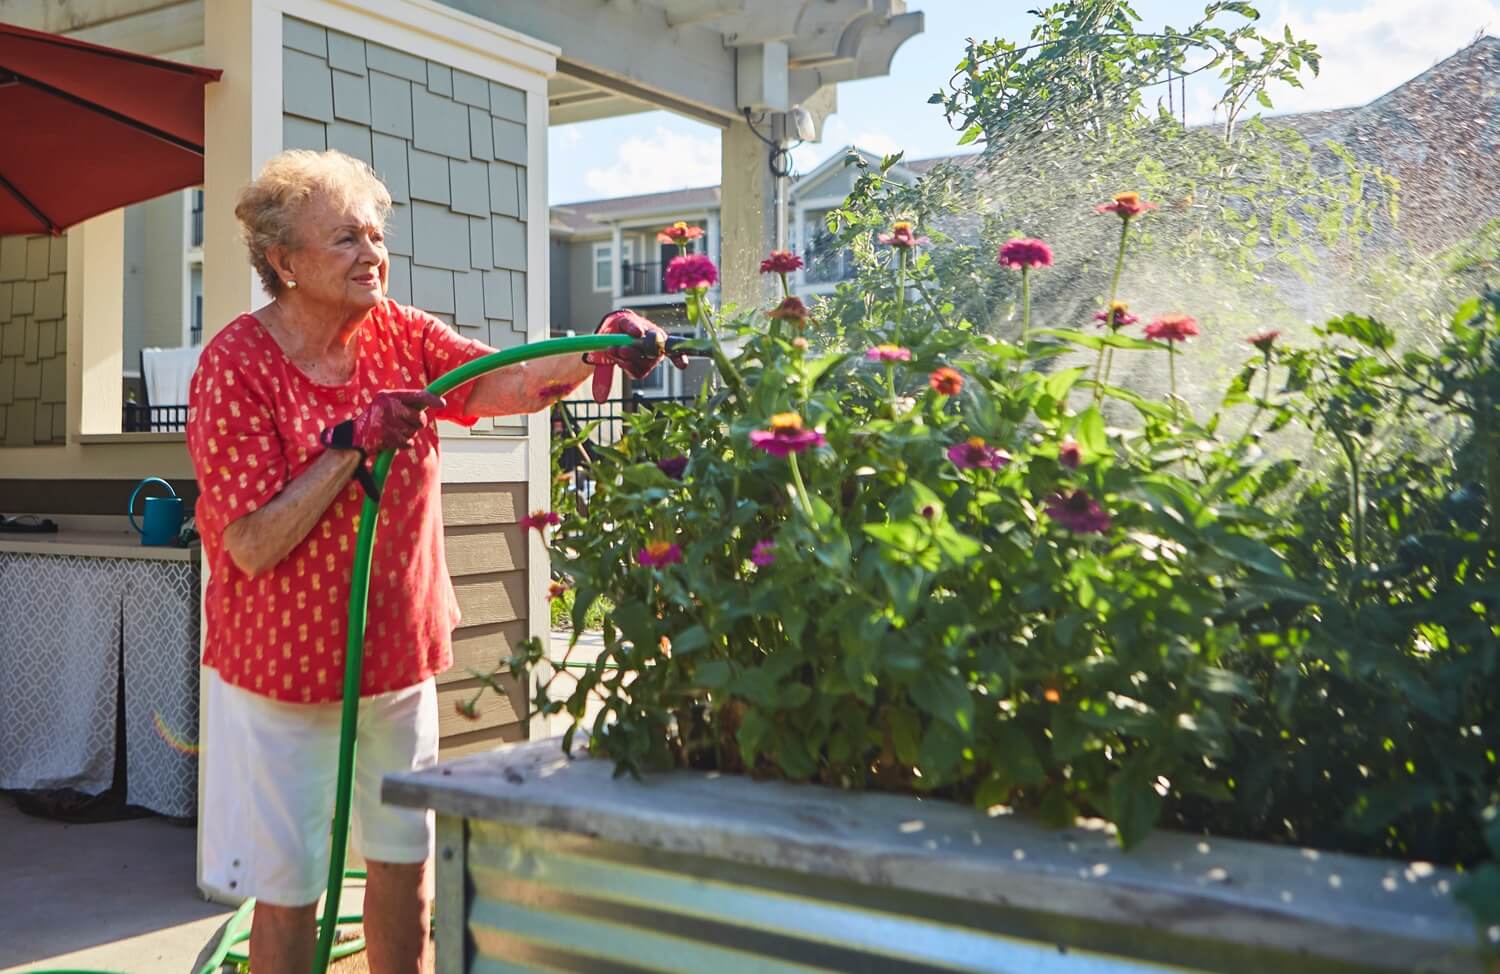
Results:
[1373, 47]
[656, 162]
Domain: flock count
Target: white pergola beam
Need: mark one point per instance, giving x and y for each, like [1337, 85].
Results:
[822, 26]
[681, 12]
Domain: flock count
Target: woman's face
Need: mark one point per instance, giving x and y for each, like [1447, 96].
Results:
[341, 262]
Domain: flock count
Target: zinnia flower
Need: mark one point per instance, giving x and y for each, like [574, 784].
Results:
[799, 343]
[888, 353]
[902, 235]
[780, 262]
[1126, 205]
[1264, 340]
[556, 589]
[690, 272]
[1122, 316]
[763, 554]
[1068, 453]
[1078, 512]
[659, 554]
[946, 381]
[792, 309]
[673, 466]
[974, 453]
[467, 709]
[540, 521]
[785, 436]
[1024, 252]
[1172, 328]
[677, 233]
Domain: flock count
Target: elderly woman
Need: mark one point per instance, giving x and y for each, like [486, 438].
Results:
[288, 408]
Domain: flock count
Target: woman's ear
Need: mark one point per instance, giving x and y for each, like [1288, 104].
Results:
[279, 258]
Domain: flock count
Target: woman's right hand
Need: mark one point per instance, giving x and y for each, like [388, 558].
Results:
[392, 419]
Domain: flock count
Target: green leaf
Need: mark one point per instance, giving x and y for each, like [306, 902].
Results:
[1059, 383]
[943, 694]
[1090, 431]
[1366, 331]
[906, 733]
[711, 673]
[1248, 552]
[1134, 804]
[690, 640]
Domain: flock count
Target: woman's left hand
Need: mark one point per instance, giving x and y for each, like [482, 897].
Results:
[637, 360]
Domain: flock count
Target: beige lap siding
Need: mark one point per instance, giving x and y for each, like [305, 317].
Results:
[486, 553]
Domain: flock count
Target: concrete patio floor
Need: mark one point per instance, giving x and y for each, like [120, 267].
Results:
[122, 896]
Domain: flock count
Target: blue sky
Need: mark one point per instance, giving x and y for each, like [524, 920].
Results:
[1369, 47]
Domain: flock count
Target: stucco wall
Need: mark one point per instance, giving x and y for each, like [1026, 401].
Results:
[585, 305]
[452, 149]
[33, 340]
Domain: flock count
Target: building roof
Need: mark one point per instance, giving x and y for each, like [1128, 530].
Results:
[594, 216]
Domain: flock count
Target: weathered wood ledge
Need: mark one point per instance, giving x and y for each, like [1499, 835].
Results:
[1354, 913]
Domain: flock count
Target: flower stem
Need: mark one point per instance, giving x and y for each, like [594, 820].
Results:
[1114, 293]
[890, 384]
[1172, 372]
[1025, 307]
[726, 368]
[802, 494]
[900, 297]
[786, 289]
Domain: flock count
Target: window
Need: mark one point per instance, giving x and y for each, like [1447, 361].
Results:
[195, 237]
[195, 290]
[604, 267]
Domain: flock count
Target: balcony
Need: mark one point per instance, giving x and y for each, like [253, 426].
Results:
[824, 263]
[639, 279]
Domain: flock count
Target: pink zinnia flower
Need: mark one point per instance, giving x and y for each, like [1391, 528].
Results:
[763, 554]
[556, 589]
[1068, 453]
[553, 391]
[785, 436]
[678, 232]
[792, 309]
[799, 343]
[902, 235]
[946, 381]
[1125, 206]
[1024, 252]
[1122, 316]
[1172, 328]
[780, 262]
[659, 554]
[974, 453]
[673, 466]
[1078, 512]
[540, 521]
[690, 272]
[1264, 340]
[888, 353]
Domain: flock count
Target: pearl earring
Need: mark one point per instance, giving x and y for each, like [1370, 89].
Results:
[291, 283]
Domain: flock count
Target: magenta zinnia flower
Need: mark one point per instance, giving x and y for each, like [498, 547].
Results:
[1024, 252]
[1078, 512]
[1068, 453]
[902, 235]
[785, 436]
[1126, 205]
[690, 272]
[888, 353]
[673, 466]
[1172, 328]
[540, 521]
[763, 554]
[1122, 317]
[1264, 340]
[780, 262]
[659, 554]
[974, 453]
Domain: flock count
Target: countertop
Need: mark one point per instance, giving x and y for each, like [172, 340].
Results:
[94, 543]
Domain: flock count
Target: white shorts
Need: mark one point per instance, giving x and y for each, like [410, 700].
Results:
[269, 771]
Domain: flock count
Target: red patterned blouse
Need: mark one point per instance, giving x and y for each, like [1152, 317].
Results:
[253, 425]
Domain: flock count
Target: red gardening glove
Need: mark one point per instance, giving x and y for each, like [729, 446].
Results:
[392, 419]
[635, 361]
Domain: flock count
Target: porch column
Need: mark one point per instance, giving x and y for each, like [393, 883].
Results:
[747, 217]
[617, 254]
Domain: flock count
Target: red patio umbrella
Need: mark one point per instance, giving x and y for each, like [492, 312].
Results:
[86, 129]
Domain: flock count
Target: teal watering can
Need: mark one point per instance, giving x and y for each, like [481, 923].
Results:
[163, 516]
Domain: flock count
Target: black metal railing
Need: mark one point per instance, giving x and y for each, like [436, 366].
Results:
[827, 264]
[195, 327]
[197, 239]
[637, 279]
[572, 416]
[138, 418]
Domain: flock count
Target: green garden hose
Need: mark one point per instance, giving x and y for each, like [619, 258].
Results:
[237, 930]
